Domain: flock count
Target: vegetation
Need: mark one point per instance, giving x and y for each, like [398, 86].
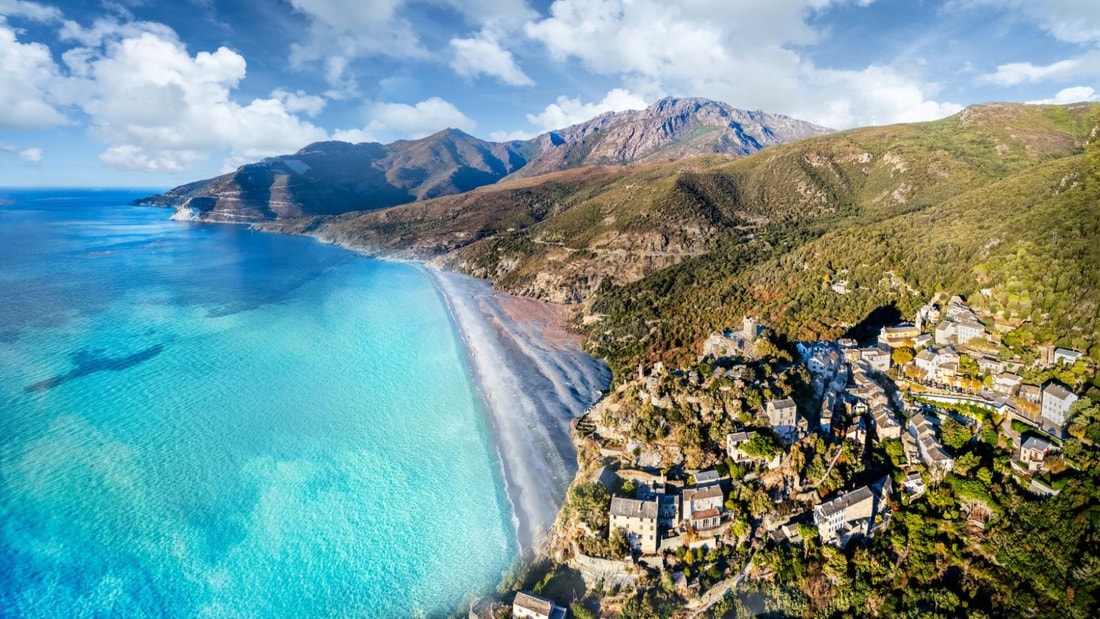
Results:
[1000, 203]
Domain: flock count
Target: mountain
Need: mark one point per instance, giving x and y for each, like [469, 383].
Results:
[992, 202]
[669, 129]
[329, 178]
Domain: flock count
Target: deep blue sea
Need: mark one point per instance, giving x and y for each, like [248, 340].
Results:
[201, 420]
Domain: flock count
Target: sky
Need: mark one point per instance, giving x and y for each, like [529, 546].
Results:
[141, 93]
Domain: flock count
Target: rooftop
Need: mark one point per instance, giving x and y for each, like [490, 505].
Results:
[706, 477]
[784, 403]
[844, 501]
[1055, 390]
[695, 494]
[633, 508]
[738, 437]
[1037, 444]
[533, 603]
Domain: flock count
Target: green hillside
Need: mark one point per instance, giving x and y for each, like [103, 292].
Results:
[656, 256]
[1024, 228]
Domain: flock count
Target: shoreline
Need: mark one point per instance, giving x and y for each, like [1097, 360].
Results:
[530, 374]
[533, 380]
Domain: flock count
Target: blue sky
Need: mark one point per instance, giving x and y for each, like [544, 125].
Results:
[154, 94]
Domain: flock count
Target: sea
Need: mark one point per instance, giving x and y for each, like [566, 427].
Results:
[202, 420]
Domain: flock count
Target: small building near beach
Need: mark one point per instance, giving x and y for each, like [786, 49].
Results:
[531, 606]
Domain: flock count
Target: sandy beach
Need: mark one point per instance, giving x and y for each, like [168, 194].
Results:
[534, 379]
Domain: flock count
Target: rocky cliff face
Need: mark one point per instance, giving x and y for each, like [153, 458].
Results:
[667, 130]
[330, 178]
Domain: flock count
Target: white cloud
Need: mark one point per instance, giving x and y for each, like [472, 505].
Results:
[394, 121]
[872, 96]
[29, 10]
[343, 31]
[28, 74]
[107, 29]
[32, 156]
[743, 53]
[483, 55]
[299, 101]
[566, 111]
[162, 109]
[1010, 74]
[1072, 94]
[1072, 21]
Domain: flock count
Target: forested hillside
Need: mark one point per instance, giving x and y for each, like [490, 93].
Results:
[993, 203]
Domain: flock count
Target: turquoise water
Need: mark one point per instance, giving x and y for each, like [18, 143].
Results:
[199, 420]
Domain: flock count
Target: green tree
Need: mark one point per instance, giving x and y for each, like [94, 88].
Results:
[955, 434]
[966, 462]
[763, 445]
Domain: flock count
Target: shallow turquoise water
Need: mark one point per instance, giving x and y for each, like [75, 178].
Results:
[202, 420]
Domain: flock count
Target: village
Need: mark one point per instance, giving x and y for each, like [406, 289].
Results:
[828, 444]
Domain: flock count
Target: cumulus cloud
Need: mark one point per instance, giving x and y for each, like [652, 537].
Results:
[483, 55]
[162, 109]
[392, 121]
[299, 101]
[566, 111]
[743, 53]
[342, 30]
[32, 156]
[1072, 94]
[29, 75]
[873, 96]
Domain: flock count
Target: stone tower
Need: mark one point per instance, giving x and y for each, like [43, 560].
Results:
[749, 328]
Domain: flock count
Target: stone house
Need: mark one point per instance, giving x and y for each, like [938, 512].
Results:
[783, 418]
[851, 514]
[638, 518]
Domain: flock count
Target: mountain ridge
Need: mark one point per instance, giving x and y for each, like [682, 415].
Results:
[642, 251]
[332, 177]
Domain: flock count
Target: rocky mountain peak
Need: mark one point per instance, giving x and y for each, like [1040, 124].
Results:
[331, 177]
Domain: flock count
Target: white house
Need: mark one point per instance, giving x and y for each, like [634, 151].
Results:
[969, 330]
[703, 507]
[1056, 403]
[1033, 452]
[1066, 355]
[530, 606]
[734, 442]
[923, 431]
[1006, 383]
[850, 514]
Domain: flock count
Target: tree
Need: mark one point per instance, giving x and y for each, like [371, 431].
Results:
[589, 503]
[902, 356]
[955, 434]
[763, 445]
[966, 462]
